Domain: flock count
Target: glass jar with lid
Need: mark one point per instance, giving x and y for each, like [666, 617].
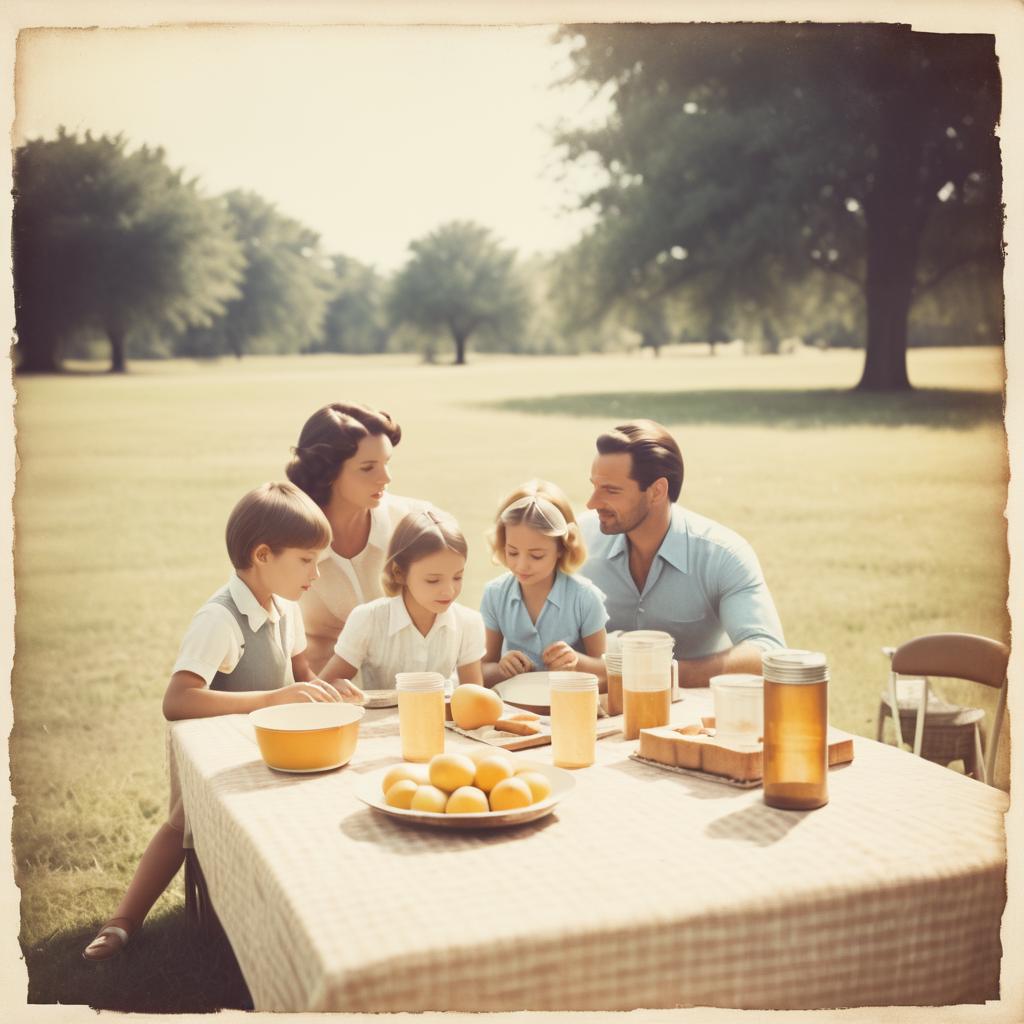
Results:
[795, 729]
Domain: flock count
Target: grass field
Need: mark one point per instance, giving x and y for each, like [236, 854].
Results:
[875, 518]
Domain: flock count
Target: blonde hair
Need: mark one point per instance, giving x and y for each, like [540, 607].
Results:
[418, 535]
[279, 515]
[572, 552]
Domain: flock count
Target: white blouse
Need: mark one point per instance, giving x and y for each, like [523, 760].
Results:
[380, 640]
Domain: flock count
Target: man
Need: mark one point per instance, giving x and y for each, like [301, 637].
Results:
[664, 567]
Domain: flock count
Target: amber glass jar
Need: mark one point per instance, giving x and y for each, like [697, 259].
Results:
[795, 729]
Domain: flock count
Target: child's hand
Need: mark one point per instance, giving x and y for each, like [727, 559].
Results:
[513, 663]
[316, 690]
[560, 657]
[348, 690]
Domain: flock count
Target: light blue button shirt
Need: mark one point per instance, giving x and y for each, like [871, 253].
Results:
[705, 586]
[574, 609]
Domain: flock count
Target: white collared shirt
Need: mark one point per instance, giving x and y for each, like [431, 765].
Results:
[705, 586]
[345, 583]
[380, 640]
[213, 641]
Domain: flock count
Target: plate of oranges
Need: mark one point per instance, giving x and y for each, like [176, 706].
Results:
[482, 789]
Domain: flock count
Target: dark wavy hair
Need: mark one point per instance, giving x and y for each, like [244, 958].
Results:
[329, 439]
[654, 452]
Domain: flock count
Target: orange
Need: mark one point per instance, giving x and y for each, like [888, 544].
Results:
[540, 787]
[466, 800]
[400, 793]
[474, 706]
[491, 770]
[510, 795]
[449, 771]
[429, 798]
[417, 772]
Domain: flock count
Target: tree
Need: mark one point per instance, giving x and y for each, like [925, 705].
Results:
[460, 280]
[284, 291]
[111, 242]
[750, 155]
[354, 320]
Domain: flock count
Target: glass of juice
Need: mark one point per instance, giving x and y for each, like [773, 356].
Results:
[613, 668]
[573, 718]
[420, 714]
[647, 673]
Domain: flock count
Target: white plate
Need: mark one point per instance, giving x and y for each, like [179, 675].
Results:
[529, 690]
[368, 790]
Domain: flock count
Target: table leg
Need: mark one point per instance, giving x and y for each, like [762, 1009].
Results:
[199, 912]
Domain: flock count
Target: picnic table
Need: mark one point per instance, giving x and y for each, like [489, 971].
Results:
[644, 888]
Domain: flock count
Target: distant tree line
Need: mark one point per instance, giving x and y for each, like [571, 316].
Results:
[840, 184]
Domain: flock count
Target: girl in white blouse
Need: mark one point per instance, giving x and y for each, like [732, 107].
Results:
[419, 627]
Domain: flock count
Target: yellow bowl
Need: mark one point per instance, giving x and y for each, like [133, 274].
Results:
[307, 737]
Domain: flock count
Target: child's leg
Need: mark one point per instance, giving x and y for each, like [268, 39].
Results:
[159, 864]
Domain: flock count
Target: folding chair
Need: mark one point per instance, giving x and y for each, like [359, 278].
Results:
[945, 732]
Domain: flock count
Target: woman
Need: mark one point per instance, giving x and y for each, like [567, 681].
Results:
[341, 462]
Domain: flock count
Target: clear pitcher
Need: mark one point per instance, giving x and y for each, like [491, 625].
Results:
[649, 676]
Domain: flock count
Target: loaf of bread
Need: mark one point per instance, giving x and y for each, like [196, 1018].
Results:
[517, 726]
[672, 744]
[692, 747]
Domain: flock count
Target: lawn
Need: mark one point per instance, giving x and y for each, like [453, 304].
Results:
[875, 518]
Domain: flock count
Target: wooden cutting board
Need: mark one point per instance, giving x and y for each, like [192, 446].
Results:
[510, 741]
[691, 749]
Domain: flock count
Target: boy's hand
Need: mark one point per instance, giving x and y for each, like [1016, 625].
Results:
[316, 690]
[347, 690]
[560, 657]
[513, 663]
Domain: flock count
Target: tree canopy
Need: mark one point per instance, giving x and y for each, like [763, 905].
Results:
[110, 242]
[744, 161]
[284, 290]
[459, 280]
[355, 319]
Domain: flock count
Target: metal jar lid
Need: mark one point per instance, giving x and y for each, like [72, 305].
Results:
[795, 666]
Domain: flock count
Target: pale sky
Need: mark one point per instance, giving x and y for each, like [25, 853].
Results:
[371, 136]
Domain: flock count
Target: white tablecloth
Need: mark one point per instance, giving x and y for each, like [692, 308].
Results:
[644, 888]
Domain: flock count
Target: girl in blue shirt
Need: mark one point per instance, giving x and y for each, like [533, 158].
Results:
[539, 616]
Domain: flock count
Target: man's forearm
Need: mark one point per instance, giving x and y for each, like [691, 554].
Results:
[744, 657]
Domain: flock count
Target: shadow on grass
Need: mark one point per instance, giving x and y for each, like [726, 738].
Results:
[167, 968]
[923, 407]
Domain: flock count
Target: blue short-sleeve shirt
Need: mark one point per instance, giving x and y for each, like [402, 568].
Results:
[705, 586]
[574, 609]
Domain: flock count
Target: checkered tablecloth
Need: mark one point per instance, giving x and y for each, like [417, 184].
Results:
[644, 889]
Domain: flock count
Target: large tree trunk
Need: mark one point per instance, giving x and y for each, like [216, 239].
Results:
[41, 355]
[117, 349]
[889, 290]
[895, 213]
[460, 347]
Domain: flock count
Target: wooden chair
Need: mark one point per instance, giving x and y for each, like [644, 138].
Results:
[945, 732]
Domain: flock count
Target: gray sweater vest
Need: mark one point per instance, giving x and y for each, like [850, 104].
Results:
[263, 665]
